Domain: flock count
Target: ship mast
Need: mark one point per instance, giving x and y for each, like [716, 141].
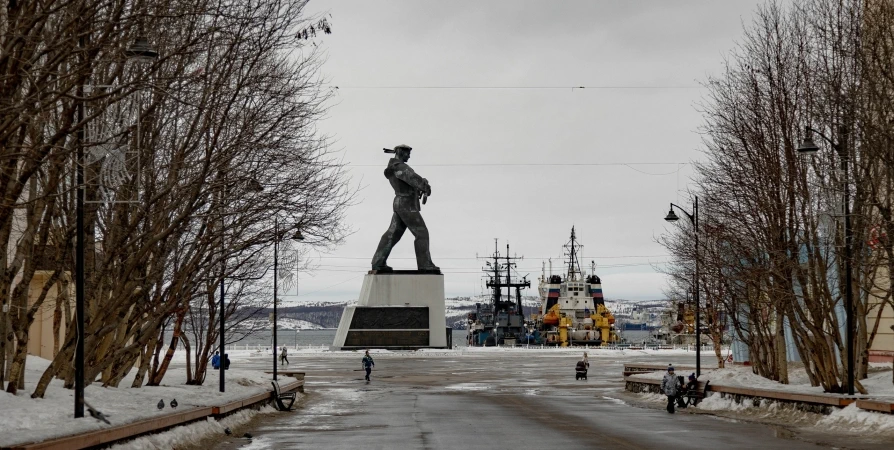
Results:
[572, 250]
[497, 281]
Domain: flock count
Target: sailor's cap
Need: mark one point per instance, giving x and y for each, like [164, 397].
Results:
[398, 147]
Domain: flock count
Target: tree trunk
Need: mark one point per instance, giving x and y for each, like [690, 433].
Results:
[17, 368]
[156, 377]
[781, 356]
[61, 299]
[188, 350]
[145, 359]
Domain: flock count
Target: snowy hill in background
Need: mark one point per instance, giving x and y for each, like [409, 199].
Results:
[319, 315]
[282, 323]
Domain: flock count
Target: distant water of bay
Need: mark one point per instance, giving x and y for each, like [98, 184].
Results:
[303, 338]
[316, 338]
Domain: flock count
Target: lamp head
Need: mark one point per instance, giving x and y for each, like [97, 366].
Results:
[298, 236]
[141, 50]
[807, 146]
[255, 186]
[671, 216]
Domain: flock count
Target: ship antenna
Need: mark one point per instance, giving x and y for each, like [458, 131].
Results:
[573, 263]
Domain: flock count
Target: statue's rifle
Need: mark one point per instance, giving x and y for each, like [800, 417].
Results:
[422, 195]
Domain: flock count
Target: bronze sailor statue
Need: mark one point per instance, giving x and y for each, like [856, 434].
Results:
[409, 189]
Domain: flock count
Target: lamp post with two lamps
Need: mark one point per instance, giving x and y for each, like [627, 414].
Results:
[298, 237]
[672, 217]
[253, 186]
[808, 147]
[139, 51]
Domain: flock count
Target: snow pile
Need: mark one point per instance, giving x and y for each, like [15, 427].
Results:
[23, 419]
[191, 434]
[857, 420]
[653, 397]
[260, 443]
[717, 403]
[878, 384]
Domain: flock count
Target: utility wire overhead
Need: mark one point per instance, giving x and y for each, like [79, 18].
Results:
[594, 87]
[540, 164]
[557, 257]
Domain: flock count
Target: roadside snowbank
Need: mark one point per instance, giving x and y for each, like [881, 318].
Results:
[23, 419]
[855, 419]
[877, 385]
[847, 420]
[191, 434]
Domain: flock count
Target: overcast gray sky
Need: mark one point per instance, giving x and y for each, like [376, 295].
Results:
[487, 152]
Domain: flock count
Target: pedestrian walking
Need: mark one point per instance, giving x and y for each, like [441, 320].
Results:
[670, 387]
[215, 361]
[368, 364]
[283, 356]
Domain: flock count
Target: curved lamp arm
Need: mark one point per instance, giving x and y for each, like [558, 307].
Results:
[672, 217]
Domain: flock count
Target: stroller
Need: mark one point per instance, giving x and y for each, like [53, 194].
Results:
[580, 370]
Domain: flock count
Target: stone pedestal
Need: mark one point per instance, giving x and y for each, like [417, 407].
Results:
[396, 310]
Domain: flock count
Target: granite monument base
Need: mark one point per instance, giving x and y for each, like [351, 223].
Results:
[400, 310]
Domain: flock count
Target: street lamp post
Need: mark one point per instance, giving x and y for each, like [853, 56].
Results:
[223, 274]
[139, 51]
[275, 287]
[253, 186]
[671, 217]
[808, 147]
[298, 237]
[79, 260]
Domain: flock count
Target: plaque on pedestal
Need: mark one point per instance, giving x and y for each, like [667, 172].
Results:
[398, 310]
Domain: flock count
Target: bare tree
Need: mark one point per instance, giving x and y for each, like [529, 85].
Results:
[185, 139]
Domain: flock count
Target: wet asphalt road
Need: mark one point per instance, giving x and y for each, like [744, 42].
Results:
[500, 400]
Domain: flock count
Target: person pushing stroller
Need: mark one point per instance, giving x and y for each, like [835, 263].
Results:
[580, 370]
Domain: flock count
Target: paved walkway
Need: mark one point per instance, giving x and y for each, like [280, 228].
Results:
[502, 400]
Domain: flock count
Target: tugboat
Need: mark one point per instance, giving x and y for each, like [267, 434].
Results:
[572, 310]
[502, 321]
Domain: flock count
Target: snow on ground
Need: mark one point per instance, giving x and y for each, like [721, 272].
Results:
[878, 384]
[191, 434]
[858, 420]
[23, 419]
[850, 419]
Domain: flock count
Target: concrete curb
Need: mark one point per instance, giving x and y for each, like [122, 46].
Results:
[116, 433]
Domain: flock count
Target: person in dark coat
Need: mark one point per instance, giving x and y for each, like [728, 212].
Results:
[226, 361]
[580, 370]
[689, 387]
[670, 387]
[368, 364]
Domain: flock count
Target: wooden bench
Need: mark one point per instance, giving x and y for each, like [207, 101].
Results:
[693, 396]
[635, 368]
[279, 396]
[292, 373]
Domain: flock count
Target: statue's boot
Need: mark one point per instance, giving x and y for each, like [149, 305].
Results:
[385, 245]
[423, 256]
